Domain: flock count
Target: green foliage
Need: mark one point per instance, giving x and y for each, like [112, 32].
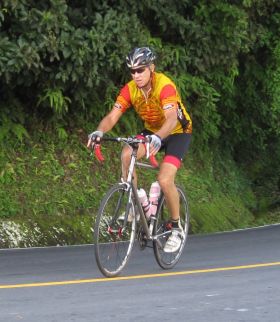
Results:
[273, 88]
[54, 55]
[8, 128]
[56, 100]
[62, 62]
[50, 176]
[203, 99]
[220, 195]
[12, 118]
[52, 189]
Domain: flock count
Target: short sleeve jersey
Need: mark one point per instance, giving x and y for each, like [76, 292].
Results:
[163, 96]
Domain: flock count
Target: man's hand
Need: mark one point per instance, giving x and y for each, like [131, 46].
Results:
[155, 143]
[94, 138]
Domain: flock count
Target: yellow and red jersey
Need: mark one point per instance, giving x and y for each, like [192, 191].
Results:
[162, 97]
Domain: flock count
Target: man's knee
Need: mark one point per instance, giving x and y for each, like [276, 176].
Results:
[126, 155]
[165, 180]
[166, 176]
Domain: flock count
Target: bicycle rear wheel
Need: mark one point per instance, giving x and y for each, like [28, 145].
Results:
[161, 229]
[114, 230]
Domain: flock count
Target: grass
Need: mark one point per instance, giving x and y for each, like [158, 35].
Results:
[51, 189]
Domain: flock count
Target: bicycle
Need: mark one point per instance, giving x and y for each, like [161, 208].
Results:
[120, 212]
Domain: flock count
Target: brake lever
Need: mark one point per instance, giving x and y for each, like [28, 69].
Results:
[151, 157]
[98, 153]
[148, 149]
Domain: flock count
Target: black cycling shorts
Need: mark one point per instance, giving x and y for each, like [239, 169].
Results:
[175, 146]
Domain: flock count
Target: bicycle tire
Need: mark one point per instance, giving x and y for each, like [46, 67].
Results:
[169, 260]
[114, 231]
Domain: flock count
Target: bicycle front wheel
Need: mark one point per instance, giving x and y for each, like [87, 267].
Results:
[162, 231]
[114, 230]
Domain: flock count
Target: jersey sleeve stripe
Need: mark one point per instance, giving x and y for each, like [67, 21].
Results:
[124, 99]
[168, 91]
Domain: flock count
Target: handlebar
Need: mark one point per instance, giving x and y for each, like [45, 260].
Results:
[130, 141]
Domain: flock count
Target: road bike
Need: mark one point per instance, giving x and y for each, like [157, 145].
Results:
[121, 220]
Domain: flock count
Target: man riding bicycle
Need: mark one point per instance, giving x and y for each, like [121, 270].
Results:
[156, 100]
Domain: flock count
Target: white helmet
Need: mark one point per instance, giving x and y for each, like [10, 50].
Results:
[142, 56]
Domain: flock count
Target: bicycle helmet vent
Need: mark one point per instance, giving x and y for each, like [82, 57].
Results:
[142, 56]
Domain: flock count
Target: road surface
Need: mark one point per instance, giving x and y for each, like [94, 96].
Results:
[224, 277]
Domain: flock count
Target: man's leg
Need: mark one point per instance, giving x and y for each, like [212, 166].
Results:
[167, 182]
[125, 158]
[166, 179]
[176, 146]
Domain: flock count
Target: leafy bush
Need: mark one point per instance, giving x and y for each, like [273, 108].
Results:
[62, 65]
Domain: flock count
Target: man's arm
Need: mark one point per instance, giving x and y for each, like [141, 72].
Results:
[169, 102]
[169, 124]
[108, 122]
[167, 127]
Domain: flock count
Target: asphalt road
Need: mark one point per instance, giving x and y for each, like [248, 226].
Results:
[225, 277]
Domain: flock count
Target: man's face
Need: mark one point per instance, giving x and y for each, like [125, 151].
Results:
[141, 75]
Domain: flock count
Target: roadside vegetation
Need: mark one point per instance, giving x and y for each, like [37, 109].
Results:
[61, 67]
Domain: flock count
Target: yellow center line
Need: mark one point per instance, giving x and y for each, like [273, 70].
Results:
[134, 277]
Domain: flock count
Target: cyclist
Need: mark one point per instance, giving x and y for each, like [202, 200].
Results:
[156, 100]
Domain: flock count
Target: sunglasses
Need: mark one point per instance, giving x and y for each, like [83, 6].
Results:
[138, 70]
